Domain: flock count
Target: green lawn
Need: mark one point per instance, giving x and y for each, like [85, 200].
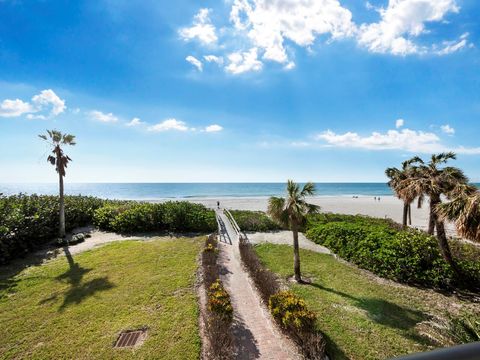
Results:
[75, 309]
[363, 317]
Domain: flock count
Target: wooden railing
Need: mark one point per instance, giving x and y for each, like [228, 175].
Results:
[235, 226]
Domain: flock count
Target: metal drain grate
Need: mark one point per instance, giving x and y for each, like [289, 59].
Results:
[130, 338]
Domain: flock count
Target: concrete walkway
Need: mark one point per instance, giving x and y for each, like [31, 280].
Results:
[256, 336]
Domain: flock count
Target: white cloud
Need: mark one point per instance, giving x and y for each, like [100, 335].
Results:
[40, 103]
[243, 62]
[49, 98]
[14, 108]
[134, 122]
[195, 62]
[213, 128]
[168, 125]
[268, 23]
[405, 140]
[401, 22]
[399, 123]
[447, 129]
[291, 65]
[100, 116]
[201, 29]
[212, 58]
[450, 47]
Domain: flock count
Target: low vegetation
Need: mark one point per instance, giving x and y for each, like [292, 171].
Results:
[408, 256]
[76, 307]
[29, 221]
[218, 316]
[254, 221]
[364, 317]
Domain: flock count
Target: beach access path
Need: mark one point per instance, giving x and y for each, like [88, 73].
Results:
[255, 334]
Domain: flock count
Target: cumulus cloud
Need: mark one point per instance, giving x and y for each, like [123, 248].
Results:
[213, 128]
[43, 105]
[268, 23]
[100, 116]
[169, 125]
[272, 27]
[405, 140]
[195, 62]
[401, 22]
[14, 108]
[134, 122]
[447, 129]
[201, 29]
[243, 62]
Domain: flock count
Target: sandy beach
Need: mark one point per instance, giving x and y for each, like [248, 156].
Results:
[387, 207]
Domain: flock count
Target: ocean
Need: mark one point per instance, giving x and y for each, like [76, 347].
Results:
[158, 191]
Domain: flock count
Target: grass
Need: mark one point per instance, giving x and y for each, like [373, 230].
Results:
[364, 317]
[76, 307]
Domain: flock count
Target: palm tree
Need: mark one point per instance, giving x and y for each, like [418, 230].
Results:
[397, 181]
[56, 140]
[463, 210]
[433, 181]
[291, 213]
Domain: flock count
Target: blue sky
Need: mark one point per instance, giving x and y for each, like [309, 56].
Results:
[238, 90]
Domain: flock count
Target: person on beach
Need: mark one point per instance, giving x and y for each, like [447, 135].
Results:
[218, 204]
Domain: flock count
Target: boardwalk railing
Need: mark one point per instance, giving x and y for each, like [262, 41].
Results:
[235, 226]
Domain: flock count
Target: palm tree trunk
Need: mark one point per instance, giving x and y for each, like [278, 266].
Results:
[62, 208]
[431, 221]
[444, 247]
[296, 254]
[410, 214]
[405, 214]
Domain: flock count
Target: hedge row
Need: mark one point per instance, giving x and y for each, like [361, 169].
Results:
[29, 221]
[256, 221]
[174, 216]
[408, 256]
[288, 310]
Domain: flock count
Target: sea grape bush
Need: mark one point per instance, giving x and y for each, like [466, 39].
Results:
[173, 216]
[409, 256]
[30, 221]
[254, 221]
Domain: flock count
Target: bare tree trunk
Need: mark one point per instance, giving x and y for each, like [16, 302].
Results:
[296, 254]
[62, 208]
[444, 247]
[410, 214]
[431, 221]
[405, 214]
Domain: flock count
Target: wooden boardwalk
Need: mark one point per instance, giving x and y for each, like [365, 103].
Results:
[256, 336]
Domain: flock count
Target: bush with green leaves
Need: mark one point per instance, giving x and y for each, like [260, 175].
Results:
[256, 221]
[30, 221]
[408, 256]
[173, 216]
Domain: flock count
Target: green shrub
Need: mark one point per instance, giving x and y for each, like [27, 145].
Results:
[256, 221]
[178, 216]
[408, 256]
[30, 221]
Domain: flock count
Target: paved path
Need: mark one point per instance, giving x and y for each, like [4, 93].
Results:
[255, 334]
[286, 238]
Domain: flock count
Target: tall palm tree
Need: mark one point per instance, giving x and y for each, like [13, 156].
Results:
[463, 210]
[397, 181]
[291, 212]
[56, 140]
[433, 180]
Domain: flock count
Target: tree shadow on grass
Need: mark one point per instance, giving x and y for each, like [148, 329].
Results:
[79, 290]
[388, 314]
